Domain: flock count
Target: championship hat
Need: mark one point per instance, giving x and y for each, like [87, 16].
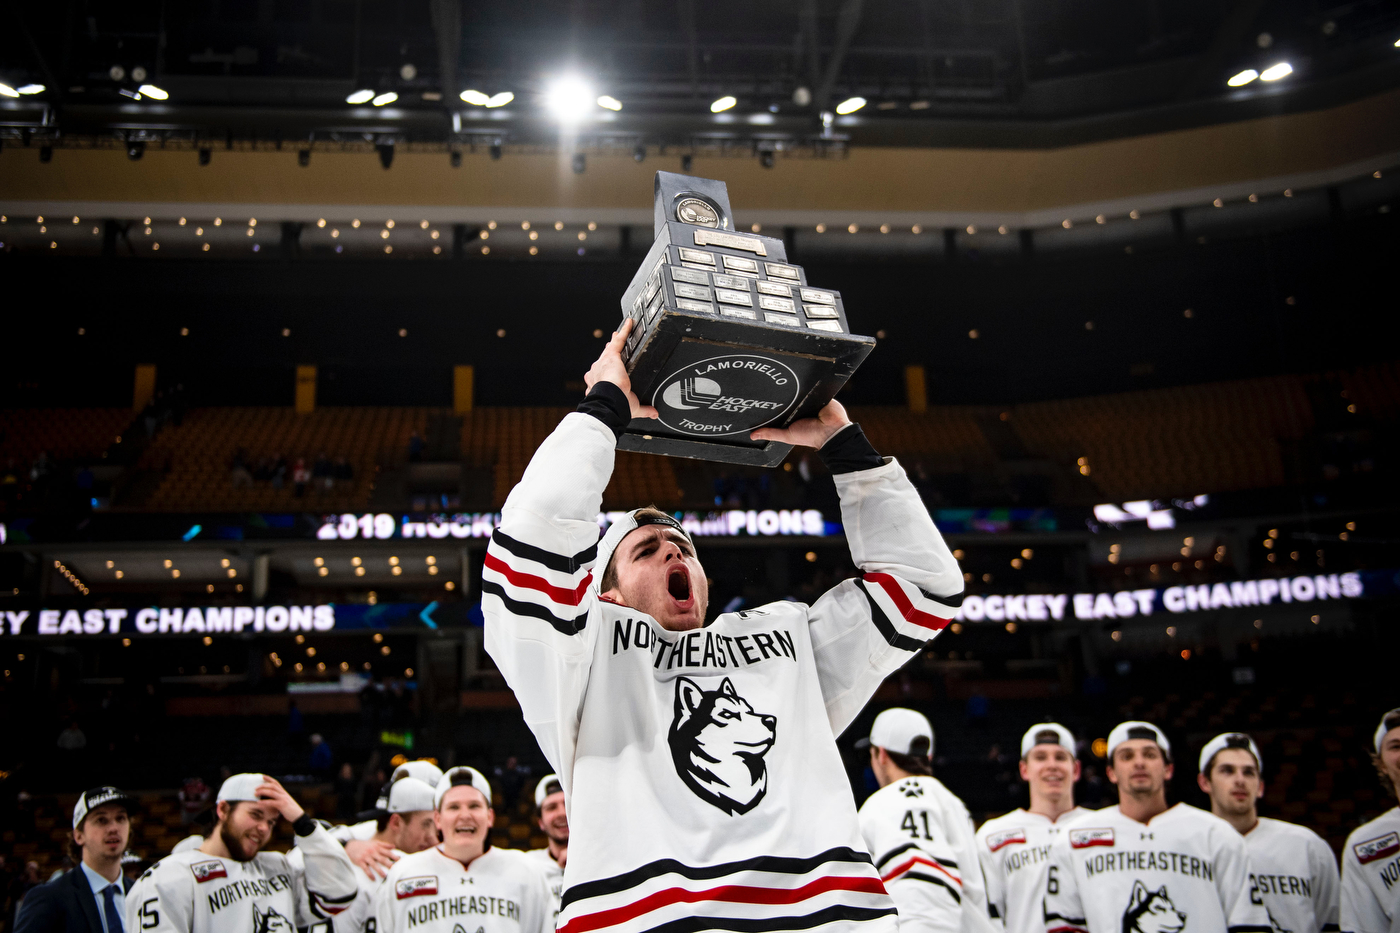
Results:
[100, 797]
[461, 777]
[422, 769]
[542, 788]
[1048, 733]
[620, 529]
[241, 787]
[1229, 740]
[408, 794]
[900, 730]
[1137, 729]
[1390, 720]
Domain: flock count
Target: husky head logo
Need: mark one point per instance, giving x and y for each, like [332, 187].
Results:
[1152, 912]
[718, 742]
[271, 922]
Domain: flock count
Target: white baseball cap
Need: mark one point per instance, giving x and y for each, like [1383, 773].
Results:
[897, 730]
[188, 843]
[1137, 729]
[1229, 740]
[241, 787]
[621, 529]
[461, 777]
[100, 797]
[422, 769]
[1058, 735]
[542, 788]
[1389, 721]
[408, 794]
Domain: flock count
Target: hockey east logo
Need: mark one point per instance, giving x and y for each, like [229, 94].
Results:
[726, 395]
[208, 871]
[421, 886]
[1152, 912]
[1375, 849]
[718, 743]
[1001, 840]
[1087, 838]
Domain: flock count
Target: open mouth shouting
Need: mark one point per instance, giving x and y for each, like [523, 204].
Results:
[678, 587]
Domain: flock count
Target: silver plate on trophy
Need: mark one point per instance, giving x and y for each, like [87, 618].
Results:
[698, 292]
[730, 296]
[832, 326]
[825, 311]
[731, 281]
[812, 294]
[696, 255]
[738, 312]
[685, 304]
[773, 303]
[779, 271]
[775, 288]
[787, 320]
[686, 275]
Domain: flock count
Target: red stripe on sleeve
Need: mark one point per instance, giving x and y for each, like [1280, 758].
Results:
[901, 600]
[531, 582]
[730, 894]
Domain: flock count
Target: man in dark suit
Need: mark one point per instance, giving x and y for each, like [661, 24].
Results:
[92, 897]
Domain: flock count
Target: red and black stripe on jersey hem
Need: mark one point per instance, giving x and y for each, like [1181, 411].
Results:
[907, 847]
[774, 864]
[556, 562]
[1067, 924]
[914, 874]
[833, 914]
[326, 907]
[885, 626]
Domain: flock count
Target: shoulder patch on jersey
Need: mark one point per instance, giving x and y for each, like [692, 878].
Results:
[419, 886]
[1084, 838]
[208, 871]
[1005, 838]
[1378, 848]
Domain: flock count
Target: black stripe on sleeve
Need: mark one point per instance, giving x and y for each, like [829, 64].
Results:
[832, 914]
[534, 610]
[886, 627]
[952, 602]
[769, 863]
[888, 856]
[1330, 928]
[1072, 921]
[931, 879]
[540, 556]
[993, 912]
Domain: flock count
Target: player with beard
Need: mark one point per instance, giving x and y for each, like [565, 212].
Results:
[405, 825]
[699, 755]
[463, 882]
[1371, 859]
[1295, 871]
[1015, 848]
[554, 823]
[230, 885]
[1145, 867]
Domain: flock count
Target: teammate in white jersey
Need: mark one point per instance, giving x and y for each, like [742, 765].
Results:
[229, 885]
[700, 760]
[463, 883]
[1144, 867]
[919, 833]
[1371, 859]
[1015, 848]
[1294, 869]
[554, 823]
[406, 825]
[372, 857]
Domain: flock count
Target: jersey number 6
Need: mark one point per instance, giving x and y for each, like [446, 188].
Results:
[1052, 882]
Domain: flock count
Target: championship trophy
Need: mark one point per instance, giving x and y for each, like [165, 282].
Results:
[727, 336]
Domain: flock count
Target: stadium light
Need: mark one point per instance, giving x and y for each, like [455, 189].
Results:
[153, 92]
[1243, 78]
[569, 99]
[500, 100]
[32, 89]
[1274, 72]
[723, 104]
[388, 97]
[475, 98]
[850, 105]
[7, 91]
[362, 96]
[609, 103]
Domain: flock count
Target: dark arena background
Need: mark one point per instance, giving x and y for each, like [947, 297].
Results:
[294, 289]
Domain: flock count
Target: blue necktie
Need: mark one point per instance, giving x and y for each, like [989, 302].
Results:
[109, 908]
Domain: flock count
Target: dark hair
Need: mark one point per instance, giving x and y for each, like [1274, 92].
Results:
[1384, 775]
[609, 580]
[917, 761]
[381, 821]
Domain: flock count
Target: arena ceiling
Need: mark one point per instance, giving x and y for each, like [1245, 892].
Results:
[932, 73]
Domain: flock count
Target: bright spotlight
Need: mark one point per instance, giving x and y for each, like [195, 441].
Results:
[569, 99]
[501, 99]
[1243, 78]
[1274, 72]
[723, 104]
[32, 89]
[7, 91]
[388, 97]
[362, 96]
[850, 105]
[609, 103]
[475, 98]
[153, 92]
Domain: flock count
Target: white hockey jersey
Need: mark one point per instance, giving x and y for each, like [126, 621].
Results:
[1186, 871]
[701, 769]
[431, 892]
[1295, 873]
[359, 916]
[1370, 877]
[192, 892]
[921, 838]
[1015, 853]
[552, 874]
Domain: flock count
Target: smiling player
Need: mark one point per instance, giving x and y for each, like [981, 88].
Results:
[1371, 859]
